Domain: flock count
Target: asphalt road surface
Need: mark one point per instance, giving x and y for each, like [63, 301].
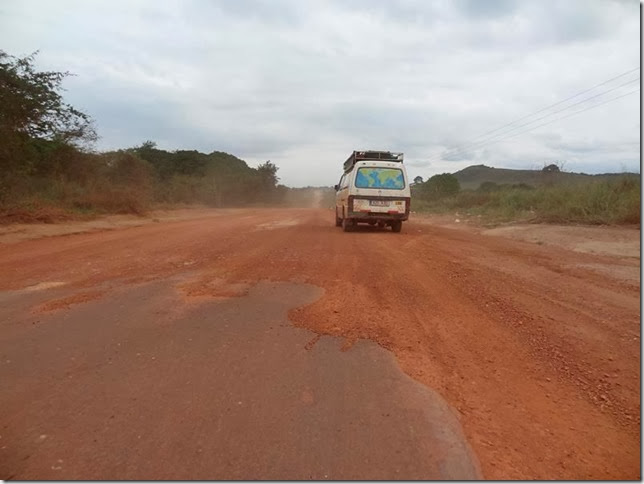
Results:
[250, 344]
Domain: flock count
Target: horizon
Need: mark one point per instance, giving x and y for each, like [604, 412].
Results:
[303, 86]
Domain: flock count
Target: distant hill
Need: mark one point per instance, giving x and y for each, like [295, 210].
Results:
[472, 176]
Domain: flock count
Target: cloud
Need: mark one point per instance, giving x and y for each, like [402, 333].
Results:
[303, 83]
[488, 9]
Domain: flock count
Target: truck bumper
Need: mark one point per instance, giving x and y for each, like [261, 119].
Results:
[363, 214]
[376, 216]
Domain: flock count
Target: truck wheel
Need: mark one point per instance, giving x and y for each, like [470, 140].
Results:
[347, 225]
[338, 220]
[396, 225]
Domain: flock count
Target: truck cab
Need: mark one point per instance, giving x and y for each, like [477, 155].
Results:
[373, 189]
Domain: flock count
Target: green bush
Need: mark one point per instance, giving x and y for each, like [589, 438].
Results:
[46, 165]
[614, 201]
[488, 186]
[438, 186]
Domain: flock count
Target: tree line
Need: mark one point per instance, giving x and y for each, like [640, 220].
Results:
[47, 159]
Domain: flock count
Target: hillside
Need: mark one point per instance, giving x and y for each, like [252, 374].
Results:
[472, 176]
[50, 171]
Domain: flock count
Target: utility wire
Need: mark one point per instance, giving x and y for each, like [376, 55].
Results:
[558, 102]
[567, 116]
[458, 148]
[484, 141]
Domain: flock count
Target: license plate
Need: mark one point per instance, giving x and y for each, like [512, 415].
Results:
[378, 203]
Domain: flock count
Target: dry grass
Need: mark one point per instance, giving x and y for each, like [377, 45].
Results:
[46, 201]
[35, 213]
[598, 202]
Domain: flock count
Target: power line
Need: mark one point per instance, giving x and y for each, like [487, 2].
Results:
[476, 145]
[567, 116]
[576, 112]
[473, 141]
[485, 141]
[559, 102]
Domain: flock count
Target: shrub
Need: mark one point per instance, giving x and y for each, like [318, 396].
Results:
[489, 186]
[614, 201]
[439, 186]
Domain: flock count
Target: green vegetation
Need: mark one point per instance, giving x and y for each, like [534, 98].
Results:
[438, 186]
[605, 201]
[216, 179]
[472, 177]
[48, 170]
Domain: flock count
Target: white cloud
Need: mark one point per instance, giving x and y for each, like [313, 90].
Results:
[304, 83]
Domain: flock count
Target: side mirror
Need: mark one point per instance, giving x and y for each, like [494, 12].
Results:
[337, 187]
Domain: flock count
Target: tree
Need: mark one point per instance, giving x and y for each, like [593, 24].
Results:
[268, 175]
[556, 167]
[489, 186]
[440, 186]
[40, 134]
[125, 168]
[267, 180]
[418, 180]
[31, 104]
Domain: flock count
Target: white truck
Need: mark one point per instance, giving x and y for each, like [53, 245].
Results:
[374, 189]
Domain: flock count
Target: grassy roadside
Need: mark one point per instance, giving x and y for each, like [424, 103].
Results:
[52, 201]
[601, 202]
[48, 201]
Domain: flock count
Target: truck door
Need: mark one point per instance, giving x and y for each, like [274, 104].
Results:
[342, 196]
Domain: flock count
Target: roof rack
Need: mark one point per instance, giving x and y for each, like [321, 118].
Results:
[370, 155]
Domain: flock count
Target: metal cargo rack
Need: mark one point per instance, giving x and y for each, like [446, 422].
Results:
[371, 156]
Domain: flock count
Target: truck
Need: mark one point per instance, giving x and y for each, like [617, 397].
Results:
[373, 189]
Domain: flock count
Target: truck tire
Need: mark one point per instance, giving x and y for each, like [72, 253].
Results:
[338, 220]
[396, 225]
[347, 225]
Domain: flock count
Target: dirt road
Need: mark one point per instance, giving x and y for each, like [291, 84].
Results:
[535, 349]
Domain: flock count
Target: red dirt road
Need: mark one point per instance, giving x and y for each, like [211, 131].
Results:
[539, 354]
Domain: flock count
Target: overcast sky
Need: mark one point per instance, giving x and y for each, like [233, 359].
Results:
[303, 83]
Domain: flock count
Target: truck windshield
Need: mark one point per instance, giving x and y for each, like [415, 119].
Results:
[381, 178]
